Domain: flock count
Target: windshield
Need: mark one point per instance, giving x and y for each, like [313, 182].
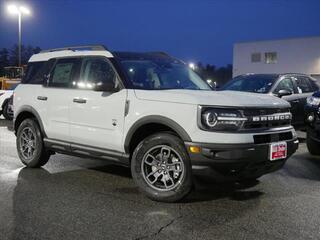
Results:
[251, 83]
[161, 74]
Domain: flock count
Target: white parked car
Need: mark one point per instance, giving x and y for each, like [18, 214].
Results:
[5, 107]
[150, 112]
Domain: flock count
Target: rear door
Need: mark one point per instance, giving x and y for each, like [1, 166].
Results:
[97, 117]
[55, 96]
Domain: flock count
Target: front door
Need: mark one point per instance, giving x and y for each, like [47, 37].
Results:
[97, 117]
[305, 90]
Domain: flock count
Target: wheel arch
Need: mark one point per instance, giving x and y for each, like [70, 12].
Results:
[24, 113]
[159, 123]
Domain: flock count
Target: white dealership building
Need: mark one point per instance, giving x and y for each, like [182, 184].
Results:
[296, 55]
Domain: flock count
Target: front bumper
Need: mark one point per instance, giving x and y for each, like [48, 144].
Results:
[236, 161]
[313, 126]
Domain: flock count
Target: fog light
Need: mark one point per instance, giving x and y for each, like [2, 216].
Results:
[310, 118]
[194, 149]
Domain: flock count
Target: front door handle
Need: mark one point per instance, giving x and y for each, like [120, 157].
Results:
[295, 101]
[42, 98]
[79, 100]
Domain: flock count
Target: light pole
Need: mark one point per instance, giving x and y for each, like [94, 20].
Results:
[18, 10]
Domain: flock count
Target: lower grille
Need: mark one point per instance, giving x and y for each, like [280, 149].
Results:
[269, 138]
[252, 125]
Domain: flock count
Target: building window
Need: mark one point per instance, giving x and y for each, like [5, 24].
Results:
[255, 57]
[271, 57]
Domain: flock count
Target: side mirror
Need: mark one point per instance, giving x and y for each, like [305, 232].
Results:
[284, 92]
[105, 87]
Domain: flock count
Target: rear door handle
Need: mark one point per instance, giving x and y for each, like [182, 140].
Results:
[79, 100]
[42, 98]
[295, 101]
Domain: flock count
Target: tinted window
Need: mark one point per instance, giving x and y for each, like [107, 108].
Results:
[64, 72]
[314, 84]
[251, 83]
[285, 84]
[35, 73]
[303, 85]
[97, 70]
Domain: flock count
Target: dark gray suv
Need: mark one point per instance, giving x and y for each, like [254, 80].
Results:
[295, 88]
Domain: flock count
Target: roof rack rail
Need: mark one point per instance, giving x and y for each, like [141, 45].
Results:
[85, 47]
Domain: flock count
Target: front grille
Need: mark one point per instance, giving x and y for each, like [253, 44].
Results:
[266, 111]
[266, 118]
[275, 137]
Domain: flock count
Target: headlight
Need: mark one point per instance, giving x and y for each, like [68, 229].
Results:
[216, 119]
[313, 101]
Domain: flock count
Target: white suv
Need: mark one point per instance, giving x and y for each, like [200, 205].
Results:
[150, 112]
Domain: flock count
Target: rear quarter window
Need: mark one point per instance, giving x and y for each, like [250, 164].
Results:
[36, 71]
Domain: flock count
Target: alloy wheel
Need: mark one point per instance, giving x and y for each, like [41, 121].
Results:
[162, 168]
[28, 143]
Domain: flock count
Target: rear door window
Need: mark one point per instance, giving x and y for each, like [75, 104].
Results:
[64, 72]
[314, 84]
[303, 85]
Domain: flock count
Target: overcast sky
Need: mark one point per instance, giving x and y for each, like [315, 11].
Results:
[202, 30]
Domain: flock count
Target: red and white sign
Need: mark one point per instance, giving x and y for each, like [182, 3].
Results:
[278, 151]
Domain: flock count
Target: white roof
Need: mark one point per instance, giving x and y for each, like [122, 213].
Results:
[45, 56]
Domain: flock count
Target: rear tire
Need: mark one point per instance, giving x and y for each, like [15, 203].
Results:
[161, 168]
[6, 113]
[30, 147]
[312, 145]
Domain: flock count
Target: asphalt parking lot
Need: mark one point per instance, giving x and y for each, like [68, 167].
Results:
[73, 198]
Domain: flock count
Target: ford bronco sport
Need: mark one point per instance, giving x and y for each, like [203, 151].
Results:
[150, 112]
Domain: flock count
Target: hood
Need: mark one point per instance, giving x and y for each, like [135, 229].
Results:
[212, 98]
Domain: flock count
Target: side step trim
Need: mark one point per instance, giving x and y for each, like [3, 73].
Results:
[86, 151]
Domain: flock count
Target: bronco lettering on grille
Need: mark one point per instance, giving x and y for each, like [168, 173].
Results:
[274, 117]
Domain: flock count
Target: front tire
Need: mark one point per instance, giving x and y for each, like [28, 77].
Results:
[312, 145]
[30, 147]
[161, 168]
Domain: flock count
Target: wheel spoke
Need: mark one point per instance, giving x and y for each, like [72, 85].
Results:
[24, 136]
[155, 177]
[153, 161]
[32, 144]
[165, 152]
[171, 180]
[165, 183]
[176, 167]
